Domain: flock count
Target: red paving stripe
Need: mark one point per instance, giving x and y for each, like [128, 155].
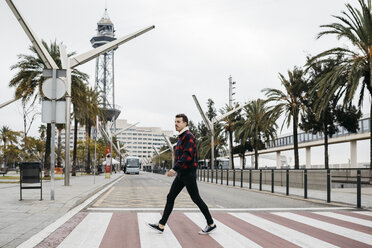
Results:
[122, 231]
[56, 237]
[256, 234]
[187, 232]
[329, 237]
[355, 215]
[346, 224]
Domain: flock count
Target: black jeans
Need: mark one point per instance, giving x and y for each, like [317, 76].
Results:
[179, 182]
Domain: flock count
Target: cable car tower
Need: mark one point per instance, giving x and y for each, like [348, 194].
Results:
[104, 77]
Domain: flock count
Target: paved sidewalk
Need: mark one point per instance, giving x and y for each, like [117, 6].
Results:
[22, 219]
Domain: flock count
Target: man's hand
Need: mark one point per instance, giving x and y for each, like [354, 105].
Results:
[171, 173]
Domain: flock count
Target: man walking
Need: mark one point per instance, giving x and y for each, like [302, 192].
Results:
[186, 162]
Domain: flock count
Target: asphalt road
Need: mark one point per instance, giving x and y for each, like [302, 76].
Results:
[149, 190]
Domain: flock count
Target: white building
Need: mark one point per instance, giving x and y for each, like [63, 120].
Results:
[138, 141]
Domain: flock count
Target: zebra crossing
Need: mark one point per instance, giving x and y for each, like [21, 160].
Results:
[335, 228]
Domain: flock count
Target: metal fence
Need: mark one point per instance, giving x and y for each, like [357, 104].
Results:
[286, 180]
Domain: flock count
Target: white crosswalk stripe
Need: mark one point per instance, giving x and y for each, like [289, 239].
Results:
[352, 234]
[151, 239]
[291, 235]
[89, 232]
[224, 235]
[346, 218]
[369, 213]
[92, 230]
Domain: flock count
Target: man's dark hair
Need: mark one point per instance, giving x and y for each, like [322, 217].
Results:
[184, 118]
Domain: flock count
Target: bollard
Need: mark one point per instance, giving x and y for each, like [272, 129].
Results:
[272, 181]
[250, 178]
[221, 175]
[204, 174]
[241, 178]
[227, 177]
[287, 183]
[260, 179]
[234, 178]
[208, 175]
[359, 202]
[328, 185]
[216, 175]
[305, 184]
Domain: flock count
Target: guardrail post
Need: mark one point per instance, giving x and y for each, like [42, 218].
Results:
[234, 178]
[328, 185]
[227, 176]
[260, 179]
[305, 183]
[359, 202]
[272, 181]
[287, 183]
[241, 178]
[250, 178]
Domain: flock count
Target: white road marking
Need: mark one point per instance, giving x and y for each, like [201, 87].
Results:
[351, 234]
[89, 232]
[37, 238]
[223, 234]
[358, 221]
[291, 235]
[150, 238]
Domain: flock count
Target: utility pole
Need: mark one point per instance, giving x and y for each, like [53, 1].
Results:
[231, 93]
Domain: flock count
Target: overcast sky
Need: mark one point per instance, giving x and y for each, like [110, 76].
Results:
[194, 48]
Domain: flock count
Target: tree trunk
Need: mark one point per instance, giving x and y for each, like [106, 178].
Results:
[231, 150]
[326, 163]
[256, 154]
[295, 140]
[73, 169]
[47, 151]
[88, 126]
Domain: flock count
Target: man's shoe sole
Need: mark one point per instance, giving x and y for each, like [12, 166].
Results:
[206, 233]
[153, 228]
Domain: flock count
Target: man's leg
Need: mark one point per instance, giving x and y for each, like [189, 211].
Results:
[175, 189]
[192, 188]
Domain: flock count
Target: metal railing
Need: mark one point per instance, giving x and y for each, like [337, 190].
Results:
[300, 181]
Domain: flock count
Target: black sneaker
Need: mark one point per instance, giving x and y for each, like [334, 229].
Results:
[156, 227]
[208, 229]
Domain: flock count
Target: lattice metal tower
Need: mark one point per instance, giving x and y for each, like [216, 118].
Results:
[104, 80]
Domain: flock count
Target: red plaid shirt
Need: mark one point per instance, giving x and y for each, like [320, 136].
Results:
[186, 158]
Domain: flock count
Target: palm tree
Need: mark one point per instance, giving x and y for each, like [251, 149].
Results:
[91, 110]
[355, 26]
[258, 127]
[291, 102]
[7, 136]
[229, 127]
[28, 81]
